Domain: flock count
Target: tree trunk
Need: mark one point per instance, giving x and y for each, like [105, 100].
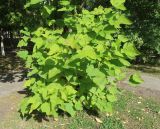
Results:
[2, 44]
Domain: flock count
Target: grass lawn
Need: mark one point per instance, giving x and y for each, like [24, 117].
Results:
[131, 112]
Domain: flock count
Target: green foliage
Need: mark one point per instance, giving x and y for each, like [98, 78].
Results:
[136, 79]
[119, 4]
[10, 12]
[77, 64]
[23, 54]
[145, 31]
[33, 2]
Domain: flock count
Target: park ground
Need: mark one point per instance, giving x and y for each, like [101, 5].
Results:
[136, 108]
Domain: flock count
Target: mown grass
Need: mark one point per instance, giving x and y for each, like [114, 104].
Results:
[137, 112]
[131, 112]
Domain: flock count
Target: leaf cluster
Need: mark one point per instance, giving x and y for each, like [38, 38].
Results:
[77, 64]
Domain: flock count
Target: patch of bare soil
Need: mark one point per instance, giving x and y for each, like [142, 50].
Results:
[142, 91]
[9, 104]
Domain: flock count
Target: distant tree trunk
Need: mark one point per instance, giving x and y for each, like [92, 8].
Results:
[2, 44]
[11, 39]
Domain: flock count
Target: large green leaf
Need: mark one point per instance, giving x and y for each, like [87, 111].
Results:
[135, 79]
[32, 2]
[119, 4]
[122, 38]
[35, 102]
[130, 51]
[88, 51]
[124, 62]
[29, 82]
[23, 42]
[23, 54]
[55, 48]
[45, 108]
[113, 90]
[49, 9]
[122, 19]
[111, 97]
[53, 72]
[38, 41]
[97, 76]
[78, 105]
[64, 2]
[69, 108]
[24, 106]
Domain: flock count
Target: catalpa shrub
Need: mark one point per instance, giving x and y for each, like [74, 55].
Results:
[76, 64]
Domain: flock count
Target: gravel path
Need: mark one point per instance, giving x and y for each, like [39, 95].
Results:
[10, 83]
[150, 82]
[8, 88]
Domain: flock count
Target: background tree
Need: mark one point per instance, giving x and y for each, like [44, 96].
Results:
[145, 30]
[10, 22]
